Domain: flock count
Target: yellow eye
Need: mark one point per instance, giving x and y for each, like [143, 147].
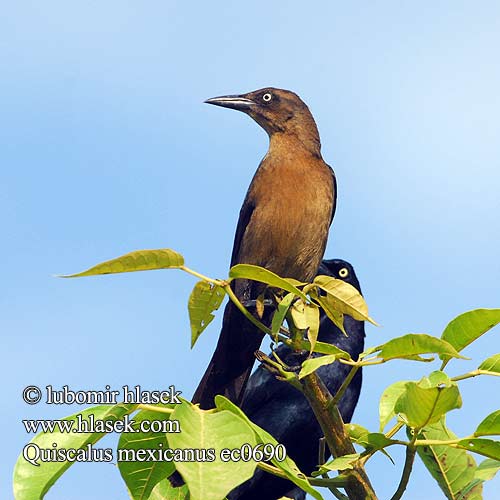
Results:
[344, 272]
[267, 97]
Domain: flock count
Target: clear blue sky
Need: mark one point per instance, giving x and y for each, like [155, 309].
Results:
[106, 147]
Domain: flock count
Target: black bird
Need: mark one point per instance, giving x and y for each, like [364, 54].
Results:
[284, 412]
[283, 226]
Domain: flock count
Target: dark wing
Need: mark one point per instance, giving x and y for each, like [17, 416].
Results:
[334, 206]
[243, 220]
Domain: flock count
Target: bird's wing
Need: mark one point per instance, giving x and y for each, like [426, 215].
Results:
[334, 205]
[243, 220]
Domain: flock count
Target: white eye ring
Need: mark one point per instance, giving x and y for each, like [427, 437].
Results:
[344, 272]
[267, 97]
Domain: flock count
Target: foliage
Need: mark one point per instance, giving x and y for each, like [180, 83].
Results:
[201, 449]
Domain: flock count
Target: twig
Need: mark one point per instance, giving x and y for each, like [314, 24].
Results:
[405, 476]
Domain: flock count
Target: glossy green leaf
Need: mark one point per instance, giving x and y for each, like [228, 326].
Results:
[388, 402]
[298, 313]
[452, 468]
[256, 273]
[340, 463]
[312, 317]
[372, 441]
[165, 491]
[346, 299]
[425, 402]
[414, 344]
[336, 317]
[206, 430]
[485, 471]
[356, 431]
[31, 482]
[486, 447]
[140, 260]
[490, 426]
[469, 326]
[311, 365]
[288, 466]
[281, 311]
[203, 301]
[142, 476]
[491, 364]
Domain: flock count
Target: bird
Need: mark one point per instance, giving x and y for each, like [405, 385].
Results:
[284, 412]
[283, 226]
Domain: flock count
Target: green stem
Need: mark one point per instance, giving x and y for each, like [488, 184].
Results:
[433, 442]
[474, 373]
[345, 384]
[244, 310]
[405, 476]
[203, 277]
[395, 429]
[158, 409]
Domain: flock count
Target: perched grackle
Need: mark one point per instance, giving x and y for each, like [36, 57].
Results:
[285, 413]
[283, 226]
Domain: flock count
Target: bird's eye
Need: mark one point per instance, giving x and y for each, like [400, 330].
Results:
[344, 272]
[267, 97]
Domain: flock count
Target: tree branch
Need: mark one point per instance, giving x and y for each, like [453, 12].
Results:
[358, 485]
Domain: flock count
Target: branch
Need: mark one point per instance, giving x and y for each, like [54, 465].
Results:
[328, 416]
[405, 477]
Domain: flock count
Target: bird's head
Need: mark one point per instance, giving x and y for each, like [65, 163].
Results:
[340, 269]
[275, 110]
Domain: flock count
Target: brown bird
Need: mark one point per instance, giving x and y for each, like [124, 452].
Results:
[283, 226]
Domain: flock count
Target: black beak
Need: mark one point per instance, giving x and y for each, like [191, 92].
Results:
[239, 102]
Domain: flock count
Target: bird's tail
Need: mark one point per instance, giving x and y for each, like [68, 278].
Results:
[231, 364]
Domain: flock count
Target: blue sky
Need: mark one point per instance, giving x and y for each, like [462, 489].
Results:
[107, 147]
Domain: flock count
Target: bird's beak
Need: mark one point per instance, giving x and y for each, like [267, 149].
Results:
[239, 102]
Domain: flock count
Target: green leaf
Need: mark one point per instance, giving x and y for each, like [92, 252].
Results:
[485, 471]
[407, 346]
[356, 432]
[312, 317]
[490, 426]
[140, 260]
[372, 441]
[491, 364]
[340, 463]
[452, 468]
[346, 299]
[288, 466]
[311, 365]
[256, 273]
[486, 447]
[469, 326]
[280, 313]
[336, 317]
[165, 491]
[425, 402]
[388, 402]
[320, 347]
[142, 476]
[203, 301]
[206, 430]
[299, 315]
[31, 482]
